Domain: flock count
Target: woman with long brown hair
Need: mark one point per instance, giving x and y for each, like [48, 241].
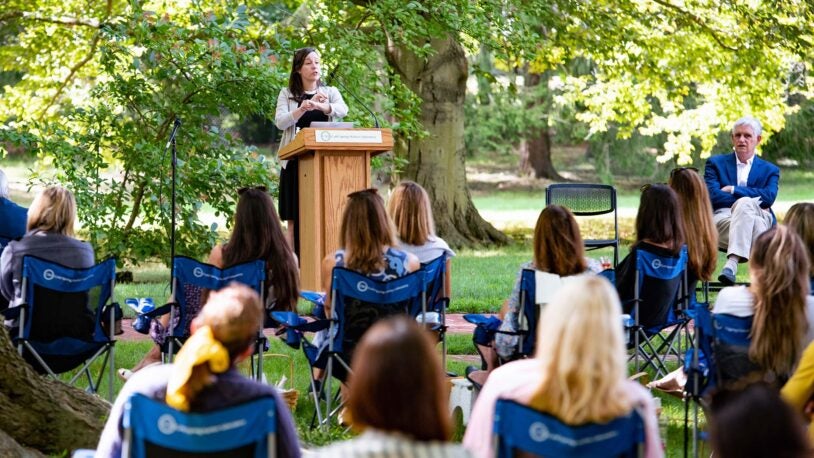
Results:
[696, 218]
[399, 404]
[578, 373]
[558, 250]
[257, 234]
[367, 241]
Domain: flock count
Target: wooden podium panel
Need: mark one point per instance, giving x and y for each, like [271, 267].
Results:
[328, 172]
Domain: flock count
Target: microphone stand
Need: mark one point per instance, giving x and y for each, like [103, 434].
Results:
[345, 89]
[174, 164]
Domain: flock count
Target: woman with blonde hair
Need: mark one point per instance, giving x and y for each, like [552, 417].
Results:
[399, 405]
[366, 240]
[410, 209]
[699, 230]
[49, 236]
[576, 378]
[204, 376]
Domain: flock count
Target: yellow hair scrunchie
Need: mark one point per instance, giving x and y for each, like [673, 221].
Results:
[200, 348]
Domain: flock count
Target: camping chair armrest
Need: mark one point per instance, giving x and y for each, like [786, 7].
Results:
[13, 313]
[160, 311]
[294, 321]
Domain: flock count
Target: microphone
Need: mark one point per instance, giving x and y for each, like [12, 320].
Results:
[331, 79]
[175, 127]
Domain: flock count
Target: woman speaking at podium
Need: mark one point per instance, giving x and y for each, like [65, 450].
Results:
[305, 100]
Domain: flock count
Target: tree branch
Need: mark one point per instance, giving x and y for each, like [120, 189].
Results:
[71, 75]
[700, 22]
[62, 20]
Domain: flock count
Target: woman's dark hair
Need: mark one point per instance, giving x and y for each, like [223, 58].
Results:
[405, 394]
[658, 220]
[753, 420]
[294, 79]
[258, 234]
[558, 247]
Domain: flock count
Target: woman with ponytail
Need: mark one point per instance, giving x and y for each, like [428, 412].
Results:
[203, 377]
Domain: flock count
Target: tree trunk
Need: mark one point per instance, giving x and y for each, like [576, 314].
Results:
[535, 150]
[436, 161]
[42, 413]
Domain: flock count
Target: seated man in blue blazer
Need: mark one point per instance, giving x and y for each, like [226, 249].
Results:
[742, 188]
[13, 217]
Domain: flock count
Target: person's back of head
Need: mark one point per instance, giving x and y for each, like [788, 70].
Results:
[365, 231]
[779, 271]
[800, 218]
[696, 217]
[223, 333]
[258, 234]
[581, 351]
[658, 219]
[558, 246]
[410, 208]
[397, 384]
[753, 421]
[53, 210]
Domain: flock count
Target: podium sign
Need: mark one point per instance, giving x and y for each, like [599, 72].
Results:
[333, 162]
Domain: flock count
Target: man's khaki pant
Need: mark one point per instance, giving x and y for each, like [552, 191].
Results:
[739, 227]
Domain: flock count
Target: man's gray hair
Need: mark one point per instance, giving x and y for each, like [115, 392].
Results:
[3, 185]
[749, 121]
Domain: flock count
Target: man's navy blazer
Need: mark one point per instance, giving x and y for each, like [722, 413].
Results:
[721, 170]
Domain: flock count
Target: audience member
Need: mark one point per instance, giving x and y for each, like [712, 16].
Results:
[411, 211]
[742, 188]
[203, 377]
[799, 390]
[753, 421]
[256, 234]
[777, 298]
[558, 250]
[699, 229]
[800, 219]
[659, 231]
[398, 404]
[366, 239]
[49, 236]
[579, 380]
[12, 216]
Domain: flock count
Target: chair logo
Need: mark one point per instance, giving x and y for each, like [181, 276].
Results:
[363, 287]
[49, 274]
[538, 432]
[167, 424]
[198, 273]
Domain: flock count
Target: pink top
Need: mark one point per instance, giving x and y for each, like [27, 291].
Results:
[517, 381]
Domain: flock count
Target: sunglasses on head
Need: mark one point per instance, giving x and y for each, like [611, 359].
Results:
[679, 169]
[363, 192]
[246, 188]
[647, 186]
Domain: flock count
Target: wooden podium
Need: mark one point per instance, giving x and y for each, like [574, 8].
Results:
[333, 162]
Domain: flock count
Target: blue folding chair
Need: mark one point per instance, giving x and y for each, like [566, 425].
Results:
[719, 355]
[357, 302]
[527, 318]
[190, 273]
[660, 302]
[152, 428]
[518, 428]
[435, 300]
[60, 319]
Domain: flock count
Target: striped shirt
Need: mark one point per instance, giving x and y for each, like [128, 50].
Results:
[375, 444]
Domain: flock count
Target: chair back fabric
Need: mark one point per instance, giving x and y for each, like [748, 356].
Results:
[518, 428]
[658, 289]
[435, 276]
[358, 302]
[154, 429]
